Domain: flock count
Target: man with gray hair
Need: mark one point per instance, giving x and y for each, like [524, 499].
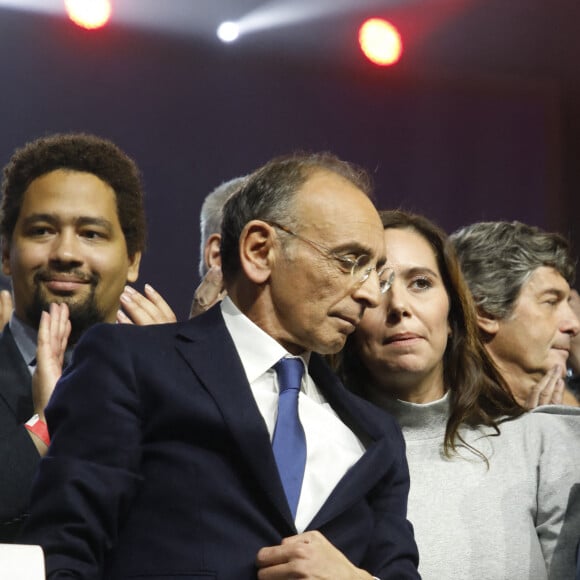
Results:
[210, 223]
[211, 288]
[520, 278]
[223, 446]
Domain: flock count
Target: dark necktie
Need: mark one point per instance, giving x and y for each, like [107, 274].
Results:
[289, 442]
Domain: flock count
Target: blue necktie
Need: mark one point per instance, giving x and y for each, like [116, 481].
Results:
[289, 442]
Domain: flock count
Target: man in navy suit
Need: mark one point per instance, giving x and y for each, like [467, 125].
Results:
[161, 463]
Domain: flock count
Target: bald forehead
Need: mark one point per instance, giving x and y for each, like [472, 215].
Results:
[338, 210]
[328, 192]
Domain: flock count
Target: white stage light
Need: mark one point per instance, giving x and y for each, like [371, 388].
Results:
[228, 31]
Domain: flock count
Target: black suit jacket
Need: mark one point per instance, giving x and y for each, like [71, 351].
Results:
[161, 465]
[18, 455]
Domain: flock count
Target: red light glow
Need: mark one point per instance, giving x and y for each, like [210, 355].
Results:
[89, 14]
[380, 41]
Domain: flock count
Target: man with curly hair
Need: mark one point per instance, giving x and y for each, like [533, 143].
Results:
[72, 227]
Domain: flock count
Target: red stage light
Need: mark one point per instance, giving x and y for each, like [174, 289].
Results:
[380, 41]
[88, 13]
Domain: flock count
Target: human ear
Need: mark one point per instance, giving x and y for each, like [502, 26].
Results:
[133, 271]
[256, 250]
[487, 323]
[211, 252]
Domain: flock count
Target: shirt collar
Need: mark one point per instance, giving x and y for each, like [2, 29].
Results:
[25, 337]
[257, 350]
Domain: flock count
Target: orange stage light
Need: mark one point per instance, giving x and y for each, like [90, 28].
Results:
[89, 14]
[380, 41]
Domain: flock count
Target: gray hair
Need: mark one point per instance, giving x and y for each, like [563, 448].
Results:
[497, 258]
[268, 195]
[210, 218]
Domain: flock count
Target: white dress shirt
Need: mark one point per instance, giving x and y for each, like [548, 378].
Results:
[331, 447]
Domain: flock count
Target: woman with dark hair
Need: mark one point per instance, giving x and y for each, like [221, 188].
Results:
[492, 486]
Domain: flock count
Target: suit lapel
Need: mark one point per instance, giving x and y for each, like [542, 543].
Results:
[372, 466]
[200, 342]
[209, 350]
[15, 380]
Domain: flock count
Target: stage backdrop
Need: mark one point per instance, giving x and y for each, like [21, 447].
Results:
[193, 115]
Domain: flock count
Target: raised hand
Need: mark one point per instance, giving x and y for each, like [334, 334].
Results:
[140, 309]
[6, 308]
[53, 332]
[209, 291]
[547, 391]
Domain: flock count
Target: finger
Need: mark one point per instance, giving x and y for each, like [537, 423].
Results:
[537, 395]
[63, 330]
[141, 310]
[558, 393]
[546, 395]
[53, 327]
[135, 312]
[122, 318]
[304, 538]
[54, 324]
[6, 306]
[43, 335]
[270, 556]
[51, 341]
[67, 331]
[136, 306]
[6, 300]
[160, 303]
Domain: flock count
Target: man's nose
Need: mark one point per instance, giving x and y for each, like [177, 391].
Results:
[571, 324]
[369, 291]
[66, 248]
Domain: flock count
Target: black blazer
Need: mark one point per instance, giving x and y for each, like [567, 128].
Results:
[18, 455]
[161, 465]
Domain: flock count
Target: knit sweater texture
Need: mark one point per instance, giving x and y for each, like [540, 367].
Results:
[516, 517]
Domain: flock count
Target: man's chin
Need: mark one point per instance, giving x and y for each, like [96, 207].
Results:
[83, 311]
[534, 376]
[332, 345]
[48, 297]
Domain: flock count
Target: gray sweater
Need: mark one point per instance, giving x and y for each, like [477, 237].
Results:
[519, 519]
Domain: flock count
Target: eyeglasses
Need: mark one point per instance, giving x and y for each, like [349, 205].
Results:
[356, 267]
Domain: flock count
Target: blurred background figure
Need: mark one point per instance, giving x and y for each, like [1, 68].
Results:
[520, 278]
[211, 289]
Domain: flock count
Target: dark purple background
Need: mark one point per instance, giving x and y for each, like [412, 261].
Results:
[193, 114]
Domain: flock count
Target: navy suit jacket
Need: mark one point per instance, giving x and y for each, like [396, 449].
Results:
[161, 465]
[18, 455]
